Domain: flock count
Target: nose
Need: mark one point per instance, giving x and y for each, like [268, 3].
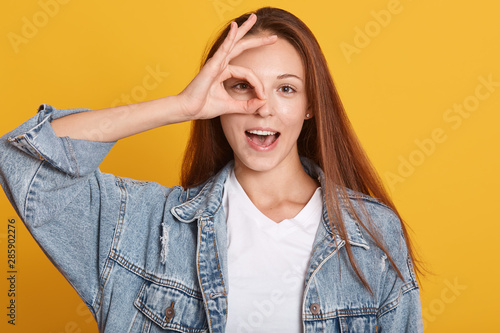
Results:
[267, 109]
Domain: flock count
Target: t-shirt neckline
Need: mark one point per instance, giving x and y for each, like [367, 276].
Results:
[302, 216]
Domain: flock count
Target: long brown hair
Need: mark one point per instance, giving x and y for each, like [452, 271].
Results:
[327, 139]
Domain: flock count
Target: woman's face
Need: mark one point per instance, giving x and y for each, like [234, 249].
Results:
[268, 138]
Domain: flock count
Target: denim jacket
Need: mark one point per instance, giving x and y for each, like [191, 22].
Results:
[148, 258]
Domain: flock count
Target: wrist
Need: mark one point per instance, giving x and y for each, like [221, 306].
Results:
[174, 109]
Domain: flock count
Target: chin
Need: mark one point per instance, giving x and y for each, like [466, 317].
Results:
[258, 164]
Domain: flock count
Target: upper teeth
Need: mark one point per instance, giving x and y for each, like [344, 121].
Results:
[262, 132]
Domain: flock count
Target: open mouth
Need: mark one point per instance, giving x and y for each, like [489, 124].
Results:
[262, 138]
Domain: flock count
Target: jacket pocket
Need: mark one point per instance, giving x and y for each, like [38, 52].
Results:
[172, 308]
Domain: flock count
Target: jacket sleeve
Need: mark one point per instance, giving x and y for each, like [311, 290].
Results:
[67, 204]
[400, 309]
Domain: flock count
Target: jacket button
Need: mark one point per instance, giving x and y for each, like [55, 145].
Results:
[169, 313]
[314, 308]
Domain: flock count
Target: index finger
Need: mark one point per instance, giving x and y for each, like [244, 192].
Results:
[234, 35]
[249, 43]
[241, 31]
[245, 27]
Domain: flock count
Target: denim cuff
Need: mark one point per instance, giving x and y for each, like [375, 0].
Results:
[72, 156]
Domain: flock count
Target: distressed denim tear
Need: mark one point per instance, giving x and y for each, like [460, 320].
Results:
[164, 243]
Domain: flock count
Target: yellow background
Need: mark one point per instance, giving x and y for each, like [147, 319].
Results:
[397, 82]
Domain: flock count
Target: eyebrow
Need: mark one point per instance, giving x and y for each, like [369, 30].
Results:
[285, 76]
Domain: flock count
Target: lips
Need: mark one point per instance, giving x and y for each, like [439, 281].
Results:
[262, 138]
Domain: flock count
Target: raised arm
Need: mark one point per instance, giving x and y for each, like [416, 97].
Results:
[204, 98]
[49, 165]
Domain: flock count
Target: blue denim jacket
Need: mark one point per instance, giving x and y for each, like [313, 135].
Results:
[147, 258]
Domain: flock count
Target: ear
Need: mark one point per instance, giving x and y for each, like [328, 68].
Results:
[308, 114]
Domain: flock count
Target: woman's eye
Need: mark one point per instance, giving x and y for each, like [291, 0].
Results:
[242, 86]
[287, 89]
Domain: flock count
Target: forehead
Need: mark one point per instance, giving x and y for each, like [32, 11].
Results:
[275, 59]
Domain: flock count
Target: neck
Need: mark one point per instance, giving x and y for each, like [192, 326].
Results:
[286, 183]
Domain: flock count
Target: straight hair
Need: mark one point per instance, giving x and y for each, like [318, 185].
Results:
[328, 138]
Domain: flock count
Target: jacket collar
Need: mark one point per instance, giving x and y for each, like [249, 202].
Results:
[207, 202]
[351, 226]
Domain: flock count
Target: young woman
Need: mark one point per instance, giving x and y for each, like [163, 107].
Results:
[274, 228]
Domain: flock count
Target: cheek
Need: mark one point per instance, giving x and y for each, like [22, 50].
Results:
[229, 125]
[292, 115]
[225, 127]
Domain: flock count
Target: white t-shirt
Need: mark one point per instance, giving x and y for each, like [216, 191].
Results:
[267, 263]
